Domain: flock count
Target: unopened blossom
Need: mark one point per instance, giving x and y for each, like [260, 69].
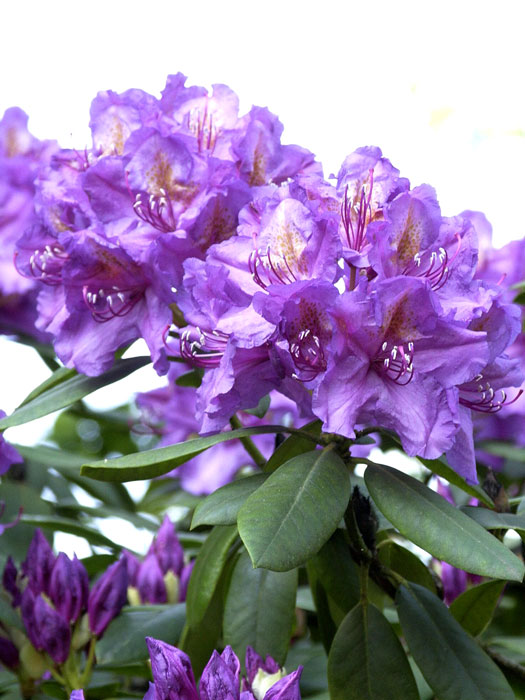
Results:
[173, 677]
[107, 597]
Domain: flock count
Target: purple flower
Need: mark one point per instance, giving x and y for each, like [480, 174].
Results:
[53, 631]
[107, 597]
[38, 563]
[174, 680]
[8, 653]
[10, 582]
[8, 455]
[69, 587]
[167, 548]
[150, 581]
[77, 695]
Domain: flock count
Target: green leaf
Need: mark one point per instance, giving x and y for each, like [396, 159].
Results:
[207, 571]
[152, 463]
[504, 449]
[191, 379]
[453, 664]
[124, 640]
[438, 466]
[473, 609]
[259, 610]
[58, 377]
[291, 516]
[70, 390]
[73, 527]
[222, 506]
[491, 520]
[9, 616]
[367, 661]
[428, 520]
[406, 563]
[68, 464]
[261, 409]
[293, 446]
[341, 582]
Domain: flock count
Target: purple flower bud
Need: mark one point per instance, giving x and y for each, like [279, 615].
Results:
[287, 688]
[172, 672]
[9, 581]
[167, 548]
[27, 610]
[107, 597]
[150, 581]
[53, 631]
[132, 565]
[77, 695]
[68, 587]
[8, 653]
[38, 563]
[184, 580]
[220, 678]
[254, 662]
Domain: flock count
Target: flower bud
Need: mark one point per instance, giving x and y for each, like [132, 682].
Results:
[254, 662]
[68, 587]
[8, 653]
[184, 580]
[9, 581]
[150, 582]
[220, 678]
[132, 565]
[38, 563]
[171, 581]
[53, 631]
[77, 695]
[167, 548]
[287, 688]
[27, 610]
[172, 672]
[81, 633]
[108, 597]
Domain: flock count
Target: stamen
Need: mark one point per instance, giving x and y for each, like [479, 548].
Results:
[482, 397]
[203, 348]
[44, 265]
[396, 364]
[267, 269]
[105, 306]
[157, 211]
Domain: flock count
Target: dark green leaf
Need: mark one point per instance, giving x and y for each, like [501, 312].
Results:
[491, 520]
[291, 516]
[294, 445]
[474, 608]
[71, 390]
[124, 640]
[438, 466]
[222, 506]
[367, 661]
[191, 379]
[406, 564]
[73, 527]
[259, 610]
[341, 582]
[15, 540]
[428, 520]
[152, 463]
[261, 409]
[453, 664]
[199, 641]
[207, 571]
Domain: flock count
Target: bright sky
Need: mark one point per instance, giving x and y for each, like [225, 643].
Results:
[437, 85]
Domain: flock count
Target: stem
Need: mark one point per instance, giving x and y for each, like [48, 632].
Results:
[248, 444]
[363, 571]
[351, 281]
[86, 673]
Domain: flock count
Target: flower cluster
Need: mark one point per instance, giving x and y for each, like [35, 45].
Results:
[173, 677]
[194, 228]
[61, 613]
